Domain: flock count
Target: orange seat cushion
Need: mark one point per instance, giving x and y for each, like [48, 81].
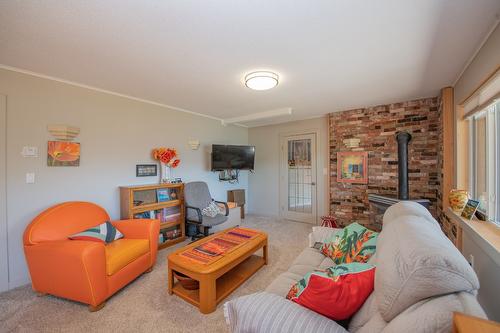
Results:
[122, 252]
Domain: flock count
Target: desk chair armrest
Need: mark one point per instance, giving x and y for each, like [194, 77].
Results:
[198, 211]
[225, 205]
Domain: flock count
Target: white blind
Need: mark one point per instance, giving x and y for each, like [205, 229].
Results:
[484, 97]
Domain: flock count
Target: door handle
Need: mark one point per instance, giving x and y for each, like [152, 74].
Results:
[313, 183]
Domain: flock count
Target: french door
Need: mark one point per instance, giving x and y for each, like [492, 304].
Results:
[298, 178]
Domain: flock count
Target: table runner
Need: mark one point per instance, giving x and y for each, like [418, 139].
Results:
[214, 249]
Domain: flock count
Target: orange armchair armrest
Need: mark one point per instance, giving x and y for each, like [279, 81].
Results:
[138, 228]
[69, 268]
[141, 229]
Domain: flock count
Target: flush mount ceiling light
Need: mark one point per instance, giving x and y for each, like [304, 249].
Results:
[261, 80]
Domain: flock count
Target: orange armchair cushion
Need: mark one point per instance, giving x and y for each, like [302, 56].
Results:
[122, 252]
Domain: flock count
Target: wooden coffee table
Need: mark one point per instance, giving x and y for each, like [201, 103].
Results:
[218, 279]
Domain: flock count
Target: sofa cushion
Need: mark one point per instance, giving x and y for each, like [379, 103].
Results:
[375, 324]
[307, 261]
[310, 257]
[354, 243]
[122, 252]
[367, 311]
[302, 269]
[320, 234]
[416, 261]
[265, 312]
[336, 292]
[434, 314]
[326, 263]
[281, 285]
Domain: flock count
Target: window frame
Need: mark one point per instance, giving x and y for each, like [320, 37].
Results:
[492, 142]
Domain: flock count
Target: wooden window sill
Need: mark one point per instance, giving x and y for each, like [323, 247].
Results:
[486, 234]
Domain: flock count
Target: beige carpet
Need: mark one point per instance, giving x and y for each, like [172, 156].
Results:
[145, 305]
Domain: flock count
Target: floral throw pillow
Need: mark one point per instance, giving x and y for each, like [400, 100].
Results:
[354, 243]
[337, 292]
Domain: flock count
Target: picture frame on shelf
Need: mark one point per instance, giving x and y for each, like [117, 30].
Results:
[470, 209]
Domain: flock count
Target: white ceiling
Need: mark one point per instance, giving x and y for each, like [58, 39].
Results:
[330, 54]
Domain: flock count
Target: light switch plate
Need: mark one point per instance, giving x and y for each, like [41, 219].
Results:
[30, 178]
[29, 151]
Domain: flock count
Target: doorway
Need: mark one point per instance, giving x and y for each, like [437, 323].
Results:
[298, 178]
[4, 263]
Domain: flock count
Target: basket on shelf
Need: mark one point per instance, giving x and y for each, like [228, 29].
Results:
[186, 282]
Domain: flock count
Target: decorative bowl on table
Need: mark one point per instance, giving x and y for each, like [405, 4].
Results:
[186, 282]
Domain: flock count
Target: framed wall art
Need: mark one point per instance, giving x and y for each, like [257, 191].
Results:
[352, 167]
[146, 170]
[63, 153]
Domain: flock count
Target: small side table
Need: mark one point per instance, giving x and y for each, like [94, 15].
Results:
[463, 323]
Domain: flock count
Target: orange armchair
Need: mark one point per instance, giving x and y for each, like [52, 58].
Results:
[86, 271]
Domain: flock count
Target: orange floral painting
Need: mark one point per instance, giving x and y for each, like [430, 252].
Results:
[62, 153]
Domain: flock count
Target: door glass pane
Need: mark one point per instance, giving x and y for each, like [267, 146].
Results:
[299, 176]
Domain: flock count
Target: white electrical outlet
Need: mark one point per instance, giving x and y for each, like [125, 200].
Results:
[30, 178]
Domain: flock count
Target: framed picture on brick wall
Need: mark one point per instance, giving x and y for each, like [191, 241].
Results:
[352, 167]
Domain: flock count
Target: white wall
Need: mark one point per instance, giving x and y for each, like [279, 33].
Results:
[488, 272]
[263, 185]
[116, 134]
[4, 262]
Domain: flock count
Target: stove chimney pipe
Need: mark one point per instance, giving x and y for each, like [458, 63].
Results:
[403, 139]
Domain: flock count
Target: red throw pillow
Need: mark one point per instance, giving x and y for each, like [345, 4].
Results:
[337, 292]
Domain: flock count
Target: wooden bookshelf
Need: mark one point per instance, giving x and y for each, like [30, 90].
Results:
[143, 201]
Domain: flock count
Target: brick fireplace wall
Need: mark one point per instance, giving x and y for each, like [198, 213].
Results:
[376, 128]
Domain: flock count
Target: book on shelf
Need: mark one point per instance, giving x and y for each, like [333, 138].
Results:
[143, 215]
[172, 210]
[170, 214]
[171, 218]
[171, 233]
[152, 214]
[162, 195]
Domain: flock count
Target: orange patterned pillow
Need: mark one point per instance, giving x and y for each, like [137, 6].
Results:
[354, 243]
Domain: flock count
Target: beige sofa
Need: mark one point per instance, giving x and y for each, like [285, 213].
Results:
[420, 280]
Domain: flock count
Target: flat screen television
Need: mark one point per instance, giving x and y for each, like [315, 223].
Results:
[226, 157]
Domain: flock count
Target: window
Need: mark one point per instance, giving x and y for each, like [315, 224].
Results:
[484, 160]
